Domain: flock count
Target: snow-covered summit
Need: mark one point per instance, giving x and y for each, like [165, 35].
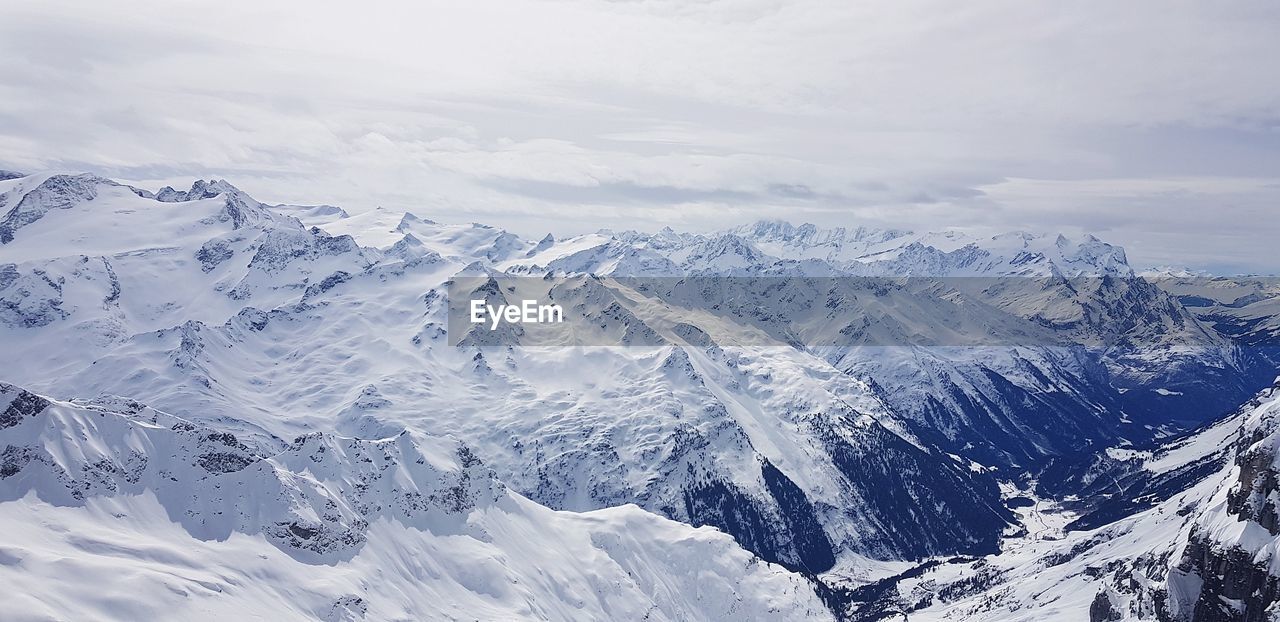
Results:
[945, 253]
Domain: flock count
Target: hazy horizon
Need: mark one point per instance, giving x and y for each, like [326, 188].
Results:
[1152, 125]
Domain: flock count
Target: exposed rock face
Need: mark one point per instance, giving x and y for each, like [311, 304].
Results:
[1254, 497]
[1236, 567]
[316, 497]
[1103, 610]
[1234, 588]
[1217, 562]
[55, 192]
[21, 405]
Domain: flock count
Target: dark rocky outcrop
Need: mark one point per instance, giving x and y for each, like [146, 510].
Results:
[1235, 586]
[22, 405]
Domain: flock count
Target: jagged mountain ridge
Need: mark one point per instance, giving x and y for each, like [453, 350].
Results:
[967, 396]
[278, 301]
[160, 486]
[790, 453]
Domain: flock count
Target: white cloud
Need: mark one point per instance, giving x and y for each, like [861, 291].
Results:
[1132, 119]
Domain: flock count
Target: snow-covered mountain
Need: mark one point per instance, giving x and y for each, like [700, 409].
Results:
[1247, 308]
[1204, 549]
[1159, 363]
[948, 253]
[248, 321]
[114, 510]
[242, 325]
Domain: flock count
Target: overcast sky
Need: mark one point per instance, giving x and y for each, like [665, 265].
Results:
[1153, 124]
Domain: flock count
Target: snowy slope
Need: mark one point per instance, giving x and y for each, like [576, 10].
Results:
[271, 323]
[116, 511]
[383, 228]
[275, 330]
[1204, 551]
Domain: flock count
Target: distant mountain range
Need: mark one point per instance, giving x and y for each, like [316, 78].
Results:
[274, 386]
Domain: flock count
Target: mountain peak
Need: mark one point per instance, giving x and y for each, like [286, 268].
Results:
[409, 219]
[53, 192]
[200, 189]
[809, 234]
